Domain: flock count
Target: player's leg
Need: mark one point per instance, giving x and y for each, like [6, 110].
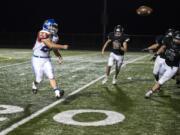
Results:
[156, 68]
[49, 71]
[162, 70]
[58, 92]
[119, 61]
[168, 74]
[37, 66]
[108, 68]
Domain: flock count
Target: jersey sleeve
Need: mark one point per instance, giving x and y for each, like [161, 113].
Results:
[167, 40]
[126, 38]
[110, 35]
[55, 38]
[42, 35]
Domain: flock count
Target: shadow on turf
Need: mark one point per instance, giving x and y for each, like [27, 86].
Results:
[86, 94]
[135, 80]
[117, 98]
[157, 97]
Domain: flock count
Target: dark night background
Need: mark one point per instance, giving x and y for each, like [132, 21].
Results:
[80, 21]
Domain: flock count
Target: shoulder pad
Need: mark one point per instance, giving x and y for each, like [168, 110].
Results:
[43, 35]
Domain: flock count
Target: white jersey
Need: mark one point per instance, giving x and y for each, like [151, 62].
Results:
[41, 62]
[40, 49]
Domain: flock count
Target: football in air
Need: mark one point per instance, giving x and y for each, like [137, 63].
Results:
[144, 10]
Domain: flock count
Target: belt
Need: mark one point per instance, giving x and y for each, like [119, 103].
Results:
[40, 56]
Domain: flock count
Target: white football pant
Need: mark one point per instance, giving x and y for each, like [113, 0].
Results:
[169, 72]
[115, 58]
[42, 66]
[158, 64]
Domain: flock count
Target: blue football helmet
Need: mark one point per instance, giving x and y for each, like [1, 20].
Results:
[51, 26]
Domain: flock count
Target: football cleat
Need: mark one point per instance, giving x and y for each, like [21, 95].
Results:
[148, 94]
[59, 93]
[34, 88]
[114, 81]
[105, 80]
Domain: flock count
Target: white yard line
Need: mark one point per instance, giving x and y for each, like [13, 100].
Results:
[46, 108]
[29, 61]
[15, 64]
[22, 52]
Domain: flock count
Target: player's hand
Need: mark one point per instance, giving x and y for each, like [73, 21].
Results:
[154, 57]
[65, 47]
[60, 60]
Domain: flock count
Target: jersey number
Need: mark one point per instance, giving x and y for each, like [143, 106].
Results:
[45, 49]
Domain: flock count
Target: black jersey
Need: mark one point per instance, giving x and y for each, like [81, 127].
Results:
[117, 42]
[163, 40]
[167, 40]
[172, 54]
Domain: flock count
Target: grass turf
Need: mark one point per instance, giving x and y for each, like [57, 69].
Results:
[157, 116]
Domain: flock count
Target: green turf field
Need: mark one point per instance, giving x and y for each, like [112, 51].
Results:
[159, 115]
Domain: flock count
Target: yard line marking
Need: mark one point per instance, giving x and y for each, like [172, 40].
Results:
[15, 64]
[22, 52]
[46, 108]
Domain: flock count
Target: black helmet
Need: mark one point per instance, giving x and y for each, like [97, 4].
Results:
[118, 28]
[170, 32]
[177, 35]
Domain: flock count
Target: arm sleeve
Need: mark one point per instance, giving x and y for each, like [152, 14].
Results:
[42, 35]
[110, 35]
[126, 38]
[55, 38]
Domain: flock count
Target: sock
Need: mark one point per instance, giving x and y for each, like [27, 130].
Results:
[156, 77]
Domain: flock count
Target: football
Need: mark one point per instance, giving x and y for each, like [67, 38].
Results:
[144, 10]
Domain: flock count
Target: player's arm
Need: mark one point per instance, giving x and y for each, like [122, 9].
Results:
[125, 44]
[52, 45]
[160, 50]
[124, 48]
[105, 45]
[58, 54]
[152, 47]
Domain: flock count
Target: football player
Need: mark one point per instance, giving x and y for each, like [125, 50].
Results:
[46, 42]
[158, 56]
[172, 59]
[119, 42]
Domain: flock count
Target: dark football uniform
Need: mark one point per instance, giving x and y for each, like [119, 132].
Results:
[163, 40]
[172, 58]
[158, 69]
[117, 43]
[172, 54]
